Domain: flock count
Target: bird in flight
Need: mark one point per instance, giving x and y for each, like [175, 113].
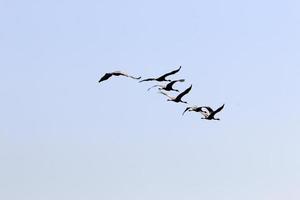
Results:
[117, 73]
[206, 111]
[163, 77]
[178, 98]
[168, 87]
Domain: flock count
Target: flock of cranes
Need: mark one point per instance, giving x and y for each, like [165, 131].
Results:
[206, 111]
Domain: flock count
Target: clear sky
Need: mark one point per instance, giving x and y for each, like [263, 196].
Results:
[64, 136]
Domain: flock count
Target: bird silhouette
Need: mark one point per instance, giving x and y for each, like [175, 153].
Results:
[116, 73]
[163, 77]
[206, 111]
[177, 99]
[168, 87]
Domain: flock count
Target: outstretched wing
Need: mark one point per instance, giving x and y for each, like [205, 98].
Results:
[188, 108]
[170, 73]
[219, 109]
[105, 77]
[184, 92]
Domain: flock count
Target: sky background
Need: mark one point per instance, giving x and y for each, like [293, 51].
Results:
[64, 136]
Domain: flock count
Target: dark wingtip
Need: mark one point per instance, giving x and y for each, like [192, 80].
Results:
[185, 110]
[183, 113]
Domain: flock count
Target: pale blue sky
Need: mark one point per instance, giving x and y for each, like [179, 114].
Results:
[64, 136]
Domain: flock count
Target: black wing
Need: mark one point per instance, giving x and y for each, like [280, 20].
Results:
[186, 110]
[170, 73]
[219, 109]
[105, 77]
[184, 92]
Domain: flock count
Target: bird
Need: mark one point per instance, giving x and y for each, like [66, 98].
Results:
[168, 87]
[163, 77]
[178, 98]
[206, 111]
[116, 73]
